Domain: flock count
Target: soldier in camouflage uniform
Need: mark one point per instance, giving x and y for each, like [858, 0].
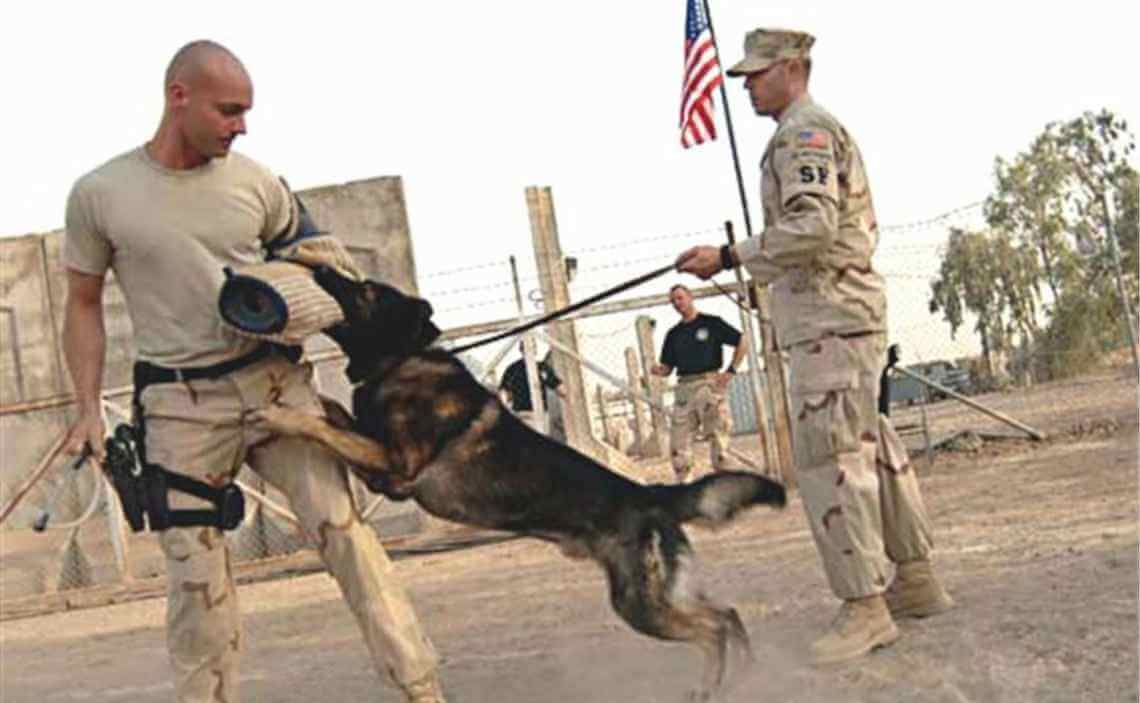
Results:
[829, 309]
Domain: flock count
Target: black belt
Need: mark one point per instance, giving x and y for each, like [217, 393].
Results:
[835, 335]
[856, 335]
[687, 376]
[144, 492]
[146, 373]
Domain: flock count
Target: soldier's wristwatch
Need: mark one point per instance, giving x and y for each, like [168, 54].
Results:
[726, 262]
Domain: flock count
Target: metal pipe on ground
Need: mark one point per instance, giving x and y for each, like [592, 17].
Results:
[973, 404]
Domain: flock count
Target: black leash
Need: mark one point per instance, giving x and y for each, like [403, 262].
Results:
[566, 310]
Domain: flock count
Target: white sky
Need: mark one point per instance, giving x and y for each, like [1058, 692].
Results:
[472, 102]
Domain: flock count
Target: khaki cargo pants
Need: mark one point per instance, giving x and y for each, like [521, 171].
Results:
[196, 428]
[698, 402]
[859, 490]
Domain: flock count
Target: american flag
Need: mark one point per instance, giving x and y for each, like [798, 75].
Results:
[702, 77]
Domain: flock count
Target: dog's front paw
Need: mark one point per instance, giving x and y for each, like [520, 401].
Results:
[279, 420]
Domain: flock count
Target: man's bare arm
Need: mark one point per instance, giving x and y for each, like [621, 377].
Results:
[85, 347]
[739, 352]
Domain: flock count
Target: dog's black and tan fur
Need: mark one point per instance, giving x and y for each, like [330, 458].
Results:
[425, 429]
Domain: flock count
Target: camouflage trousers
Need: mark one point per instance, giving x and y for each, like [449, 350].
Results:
[197, 428]
[698, 402]
[858, 488]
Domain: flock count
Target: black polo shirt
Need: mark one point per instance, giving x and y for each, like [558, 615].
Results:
[696, 346]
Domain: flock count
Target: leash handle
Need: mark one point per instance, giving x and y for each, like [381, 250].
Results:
[45, 513]
[566, 310]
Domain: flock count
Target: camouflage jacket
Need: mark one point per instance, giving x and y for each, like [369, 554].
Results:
[819, 231]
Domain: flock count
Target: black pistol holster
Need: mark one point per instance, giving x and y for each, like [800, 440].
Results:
[143, 487]
[143, 490]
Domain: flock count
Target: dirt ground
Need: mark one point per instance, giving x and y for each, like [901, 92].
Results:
[1037, 542]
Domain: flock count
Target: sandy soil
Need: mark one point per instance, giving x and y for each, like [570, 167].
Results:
[1037, 541]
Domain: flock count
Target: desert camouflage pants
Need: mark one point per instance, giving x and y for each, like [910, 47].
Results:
[698, 402]
[858, 488]
[196, 428]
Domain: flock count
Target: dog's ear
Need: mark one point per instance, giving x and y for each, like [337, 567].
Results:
[421, 330]
[429, 334]
[347, 292]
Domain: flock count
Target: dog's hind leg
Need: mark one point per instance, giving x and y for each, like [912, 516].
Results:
[653, 588]
[738, 637]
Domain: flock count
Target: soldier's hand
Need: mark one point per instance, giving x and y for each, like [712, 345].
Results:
[88, 430]
[722, 380]
[701, 261]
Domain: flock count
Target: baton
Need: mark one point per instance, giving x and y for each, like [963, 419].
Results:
[45, 512]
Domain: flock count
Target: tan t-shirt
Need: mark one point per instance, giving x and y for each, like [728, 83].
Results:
[168, 234]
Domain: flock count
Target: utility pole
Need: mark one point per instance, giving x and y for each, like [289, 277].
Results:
[1110, 233]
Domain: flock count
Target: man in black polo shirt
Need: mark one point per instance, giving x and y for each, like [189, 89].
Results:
[694, 348]
[514, 384]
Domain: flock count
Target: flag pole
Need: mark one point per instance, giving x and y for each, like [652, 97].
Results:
[773, 361]
[728, 123]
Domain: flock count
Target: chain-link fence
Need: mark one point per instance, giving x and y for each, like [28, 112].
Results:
[82, 550]
[1047, 382]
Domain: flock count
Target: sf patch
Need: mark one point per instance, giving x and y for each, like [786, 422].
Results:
[807, 166]
[814, 174]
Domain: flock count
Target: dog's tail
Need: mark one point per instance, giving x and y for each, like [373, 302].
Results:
[719, 497]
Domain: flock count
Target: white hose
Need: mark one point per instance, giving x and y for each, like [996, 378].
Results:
[96, 493]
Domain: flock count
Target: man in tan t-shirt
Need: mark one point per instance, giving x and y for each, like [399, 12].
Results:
[829, 309]
[167, 217]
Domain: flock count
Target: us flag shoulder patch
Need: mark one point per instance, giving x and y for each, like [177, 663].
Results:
[813, 139]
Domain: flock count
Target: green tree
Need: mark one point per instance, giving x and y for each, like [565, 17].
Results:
[1096, 149]
[1051, 196]
[1128, 220]
[1029, 203]
[1089, 319]
[992, 277]
[1083, 326]
[1048, 221]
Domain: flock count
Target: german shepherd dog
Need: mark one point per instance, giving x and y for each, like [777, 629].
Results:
[425, 428]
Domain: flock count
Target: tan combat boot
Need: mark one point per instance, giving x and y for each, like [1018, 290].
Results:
[915, 592]
[862, 625]
[425, 690]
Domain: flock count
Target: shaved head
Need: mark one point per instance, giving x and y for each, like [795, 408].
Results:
[208, 93]
[198, 58]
